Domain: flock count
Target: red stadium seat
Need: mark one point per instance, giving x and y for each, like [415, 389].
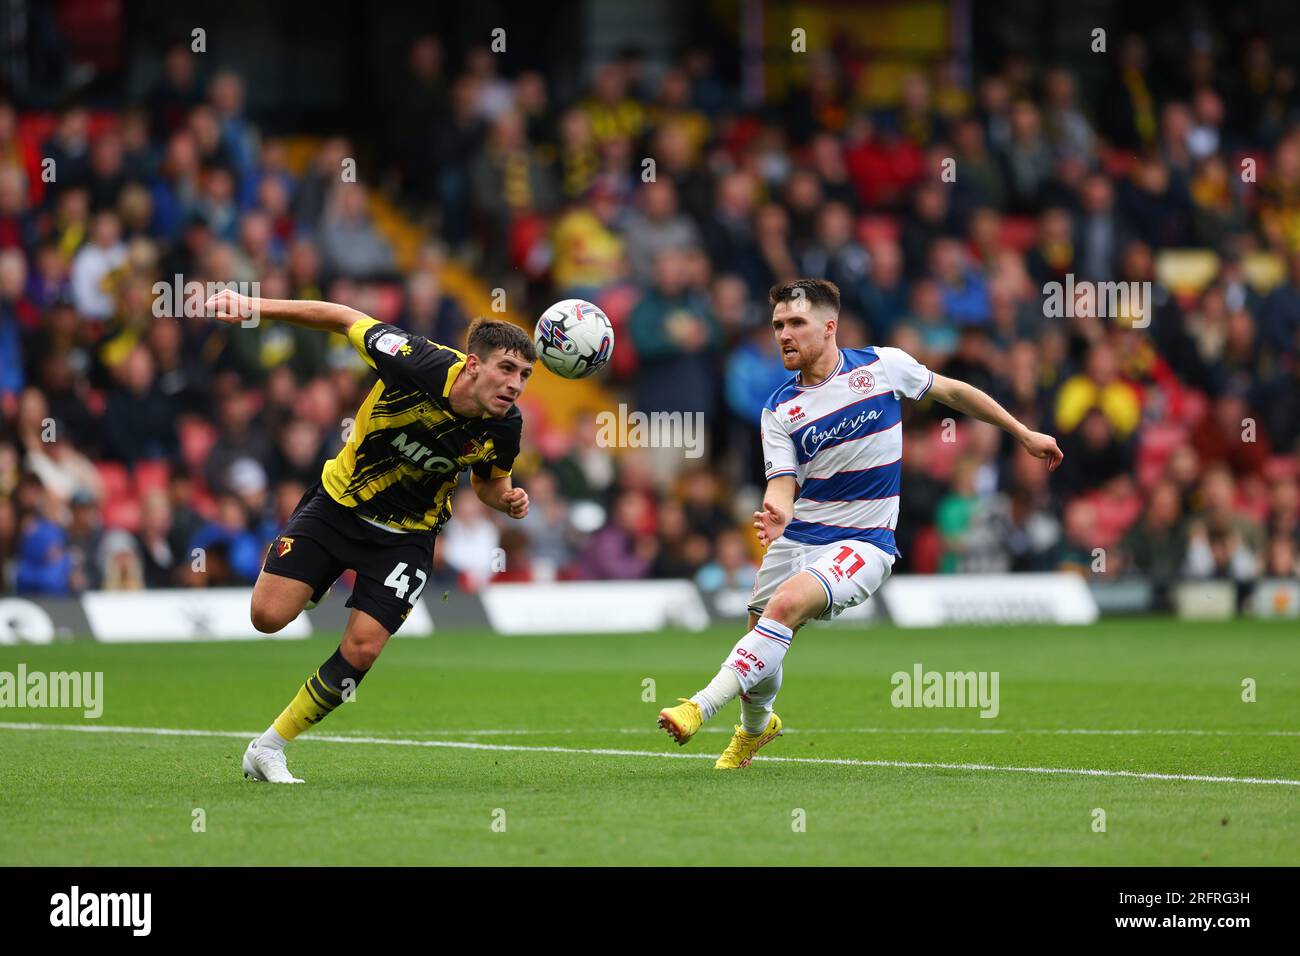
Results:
[1118, 163]
[38, 127]
[1018, 233]
[944, 454]
[1113, 516]
[120, 507]
[617, 302]
[927, 548]
[204, 503]
[115, 480]
[874, 229]
[123, 512]
[197, 438]
[1281, 468]
[152, 476]
[388, 302]
[1155, 443]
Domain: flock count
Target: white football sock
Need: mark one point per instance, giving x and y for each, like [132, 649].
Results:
[756, 705]
[720, 691]
[755, 655]
[271, 739]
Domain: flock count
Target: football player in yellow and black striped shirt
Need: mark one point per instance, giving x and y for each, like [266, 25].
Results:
[381, 501]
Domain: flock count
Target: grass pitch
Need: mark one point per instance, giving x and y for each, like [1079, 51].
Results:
[479, 749]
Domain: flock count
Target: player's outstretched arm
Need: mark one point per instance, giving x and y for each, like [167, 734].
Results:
[234, 309]
[968, 399]
[778, 509]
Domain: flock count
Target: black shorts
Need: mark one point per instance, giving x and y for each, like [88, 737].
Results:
[323, 539]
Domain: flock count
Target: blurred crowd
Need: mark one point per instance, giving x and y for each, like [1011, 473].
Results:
[140, 449]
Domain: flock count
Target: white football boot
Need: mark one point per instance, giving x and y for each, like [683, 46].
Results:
[266, 764]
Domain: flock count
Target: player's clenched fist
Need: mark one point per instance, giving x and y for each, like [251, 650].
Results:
[770, 523]
[516, 502]
[229, 306]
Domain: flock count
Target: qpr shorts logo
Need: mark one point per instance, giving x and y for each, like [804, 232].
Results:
[862, 382]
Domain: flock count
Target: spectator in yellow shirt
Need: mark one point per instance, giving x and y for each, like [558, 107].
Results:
[588, 253]
[613, 113]
[1099, 386]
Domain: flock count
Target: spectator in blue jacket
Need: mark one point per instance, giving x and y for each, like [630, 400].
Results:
[240, 546]
[44, 564]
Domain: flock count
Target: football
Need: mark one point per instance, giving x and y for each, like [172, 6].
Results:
[574, 338]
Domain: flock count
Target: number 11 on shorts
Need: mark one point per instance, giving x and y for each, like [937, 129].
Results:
[858, 561]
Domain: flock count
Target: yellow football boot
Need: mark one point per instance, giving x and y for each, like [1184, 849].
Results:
[681, 722]
[744, 745]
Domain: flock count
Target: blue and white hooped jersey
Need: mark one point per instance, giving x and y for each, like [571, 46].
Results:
[842, 440]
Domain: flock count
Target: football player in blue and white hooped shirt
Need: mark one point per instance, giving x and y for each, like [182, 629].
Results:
[833, 443]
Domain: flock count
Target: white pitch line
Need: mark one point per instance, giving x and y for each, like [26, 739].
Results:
[1137, 732]
[612, 752]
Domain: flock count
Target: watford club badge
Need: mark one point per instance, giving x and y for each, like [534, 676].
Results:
[284, 546]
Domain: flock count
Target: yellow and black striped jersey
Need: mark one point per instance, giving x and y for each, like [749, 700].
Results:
[407, 449]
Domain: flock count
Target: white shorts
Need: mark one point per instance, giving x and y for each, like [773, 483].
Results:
[850, 571]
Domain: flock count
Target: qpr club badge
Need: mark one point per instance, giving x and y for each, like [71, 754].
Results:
[862, 381]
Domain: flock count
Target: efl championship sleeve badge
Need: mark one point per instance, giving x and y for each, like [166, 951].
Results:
[391, 343]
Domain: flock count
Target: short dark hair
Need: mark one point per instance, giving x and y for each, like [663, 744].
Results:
[487, 335]
[813, 291]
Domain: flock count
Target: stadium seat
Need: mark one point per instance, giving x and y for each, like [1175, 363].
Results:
[1264, 270]
[527, 242]
[618, 302]
[1018, 233]
[1115, 515]
[1155, 444]
[388, 302]
[204, 503]
[944, 454]
[927, 548]
[123, 514]
[876, 229]
[197, 438]
[1187, 272]
[114, 479]
[39, 127]
[152, 476]
[1118, 163]
[1281, 468]
[121, 505]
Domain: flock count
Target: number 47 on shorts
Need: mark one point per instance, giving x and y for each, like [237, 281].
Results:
[400, 582]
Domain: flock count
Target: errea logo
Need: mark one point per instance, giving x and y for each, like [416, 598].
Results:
[797, 414]
[423, 456]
